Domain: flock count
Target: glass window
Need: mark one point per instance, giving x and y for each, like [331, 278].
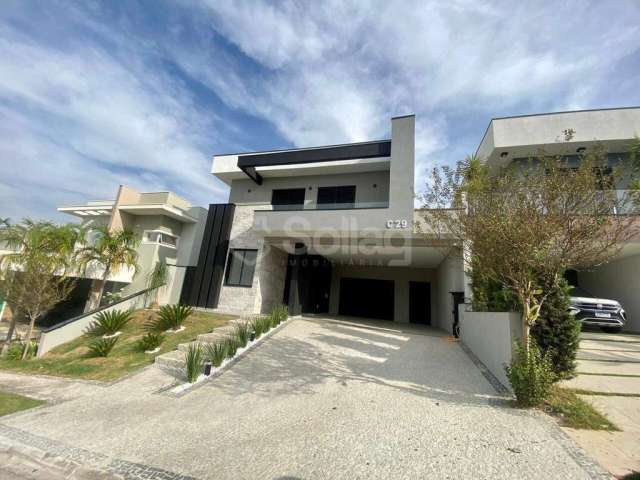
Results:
[337, 197]
[241, 267]
[161, 238]
[287, 199]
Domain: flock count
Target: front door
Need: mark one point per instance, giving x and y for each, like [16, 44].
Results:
[420, 302]
[307, 284]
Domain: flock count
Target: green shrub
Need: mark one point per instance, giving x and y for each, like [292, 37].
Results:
[194, 362]
[242, 332]
[260, 324]
[150, 341]
[102, 346]
[282, 312]
[16, 349]
[231, 345]
[557, 333]
[489, 295]
[170, 317]
[531, 375]
[109, 322]
[216, 353]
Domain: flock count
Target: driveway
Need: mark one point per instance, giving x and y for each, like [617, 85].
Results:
[610, 364]
[320, 399]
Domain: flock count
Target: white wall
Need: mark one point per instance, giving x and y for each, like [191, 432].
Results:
[491, 336]
[244, 192]
[77, 328]
[449, 278]
[618, 280]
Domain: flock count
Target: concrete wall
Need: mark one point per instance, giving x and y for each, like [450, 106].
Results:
[491, 336]
[77, 327]
[449, 278]
[618, 280]
[370, 187]
[401, 277]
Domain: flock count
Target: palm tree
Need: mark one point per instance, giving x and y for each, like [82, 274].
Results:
[34, 276]
[111, 250]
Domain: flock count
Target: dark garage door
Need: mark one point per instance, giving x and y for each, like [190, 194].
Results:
[361, 297]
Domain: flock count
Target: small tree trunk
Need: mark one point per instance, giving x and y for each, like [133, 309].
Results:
[32, 321]
[95, 295]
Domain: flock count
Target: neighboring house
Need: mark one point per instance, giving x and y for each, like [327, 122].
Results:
[169, 227]
[516, 139]
[325, 230]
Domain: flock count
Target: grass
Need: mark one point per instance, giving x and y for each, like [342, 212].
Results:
[575, 412]
[579, 391]
[10, 403]
[73, 359]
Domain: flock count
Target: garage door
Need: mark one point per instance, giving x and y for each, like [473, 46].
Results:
[361, 297]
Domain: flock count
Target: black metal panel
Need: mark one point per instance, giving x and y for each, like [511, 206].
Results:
[323, 154]
[187, 285]
[211, 252]
[207, 279]
[220, 256]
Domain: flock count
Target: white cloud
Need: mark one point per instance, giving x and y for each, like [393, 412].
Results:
[81, 121]
[337, 72]
[318, 72]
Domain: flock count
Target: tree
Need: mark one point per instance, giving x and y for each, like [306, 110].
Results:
[34, 277]
[156, 279]
[525, 224]
[110, 251]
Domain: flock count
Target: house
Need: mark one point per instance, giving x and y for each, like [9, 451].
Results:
[170, 229]
[509, 140]
[325, 230]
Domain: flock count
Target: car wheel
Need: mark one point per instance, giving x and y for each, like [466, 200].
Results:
[611, 329]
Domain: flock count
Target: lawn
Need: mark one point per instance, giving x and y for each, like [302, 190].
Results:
[10, 403]
[72, 359]
[575, 412]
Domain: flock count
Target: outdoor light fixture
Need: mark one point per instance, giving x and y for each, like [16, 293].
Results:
[207, 368]
[252, 336]
[504, 154]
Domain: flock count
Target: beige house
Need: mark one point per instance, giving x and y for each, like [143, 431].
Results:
[170, 229]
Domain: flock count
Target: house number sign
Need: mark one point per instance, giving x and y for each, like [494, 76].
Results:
[397, 224]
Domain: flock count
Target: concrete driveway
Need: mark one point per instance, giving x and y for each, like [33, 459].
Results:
[320, 399]
[609, 364]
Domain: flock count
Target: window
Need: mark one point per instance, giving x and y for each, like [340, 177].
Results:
[161, 238]
[240, 267]
[288, 199]
[337, 197]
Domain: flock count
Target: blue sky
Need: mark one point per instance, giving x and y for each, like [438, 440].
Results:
[95, 94]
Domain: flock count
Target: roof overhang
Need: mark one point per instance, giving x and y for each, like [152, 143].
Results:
[349, 158]
[87, 211]
[158, 209]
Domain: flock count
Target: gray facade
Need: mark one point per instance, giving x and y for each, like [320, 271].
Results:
[370, 239]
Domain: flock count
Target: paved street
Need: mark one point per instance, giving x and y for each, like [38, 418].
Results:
[320, 399]
[610, 363]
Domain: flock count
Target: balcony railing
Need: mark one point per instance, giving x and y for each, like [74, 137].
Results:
[326, 206]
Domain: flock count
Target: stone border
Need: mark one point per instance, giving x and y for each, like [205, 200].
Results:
[592, 468]
[128, 470]
[486, 373]
[168, 390]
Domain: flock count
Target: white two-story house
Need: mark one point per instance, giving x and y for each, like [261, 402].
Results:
[571, 134]
[325, 230]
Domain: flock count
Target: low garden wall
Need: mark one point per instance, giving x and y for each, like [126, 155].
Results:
[491, 336]
[74, 327]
